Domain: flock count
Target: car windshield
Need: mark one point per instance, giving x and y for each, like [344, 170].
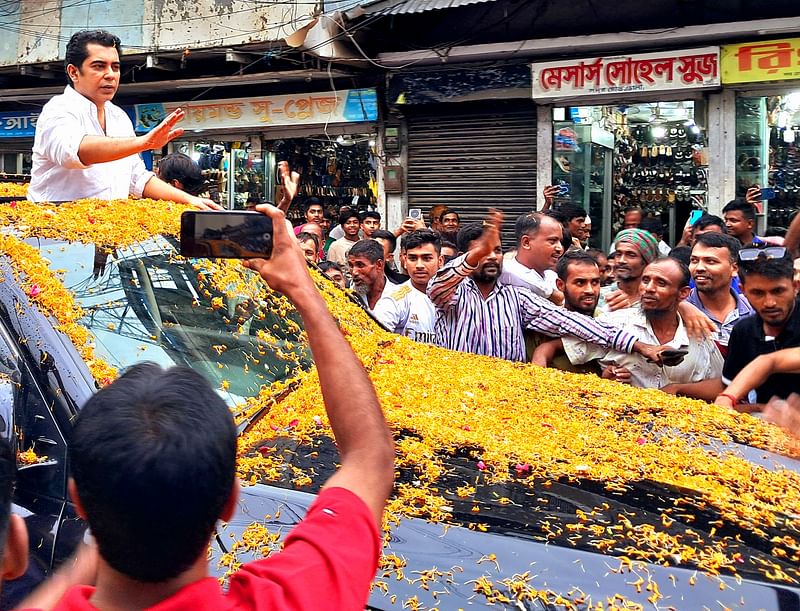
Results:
[145, 303]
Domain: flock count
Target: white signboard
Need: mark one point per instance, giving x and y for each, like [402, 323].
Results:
[664, 71]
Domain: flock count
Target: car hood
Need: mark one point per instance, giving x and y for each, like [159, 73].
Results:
[452, 567]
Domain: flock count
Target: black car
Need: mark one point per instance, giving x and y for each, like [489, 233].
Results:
[506, 541]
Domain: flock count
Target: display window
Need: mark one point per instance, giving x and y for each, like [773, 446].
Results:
[336, 170]
[651, 156]
[768, 155]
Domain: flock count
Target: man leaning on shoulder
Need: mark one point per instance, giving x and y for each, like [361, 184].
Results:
[85, 145]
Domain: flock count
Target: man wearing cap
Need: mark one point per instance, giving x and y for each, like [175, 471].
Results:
[635, 249]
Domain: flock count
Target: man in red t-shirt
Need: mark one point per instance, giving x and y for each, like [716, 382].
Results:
[153, 463]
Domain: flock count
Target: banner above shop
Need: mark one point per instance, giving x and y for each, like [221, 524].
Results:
[753, 62]
[18, 124]
[348, 106]
[664, 71]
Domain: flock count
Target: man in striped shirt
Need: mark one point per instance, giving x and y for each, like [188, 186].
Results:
[478, 313]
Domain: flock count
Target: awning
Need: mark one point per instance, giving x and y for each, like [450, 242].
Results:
[406, 7]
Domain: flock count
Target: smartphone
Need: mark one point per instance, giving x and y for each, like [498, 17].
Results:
[239, 234]
[767, 193]
[694, 216]
[673, 357]
[415, 213]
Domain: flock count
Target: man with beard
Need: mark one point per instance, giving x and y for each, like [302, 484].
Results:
[538, 249]
[366, 264]
[664, 284]
[479, 313]
[408, 310]
[713, 265]
[634, 249]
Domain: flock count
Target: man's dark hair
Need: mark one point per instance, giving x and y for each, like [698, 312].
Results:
[420, 237]
[653, 225]
[8, 471]
[773, 269]
[573, 257]
[709, 220]
[304, 236]
[468, 233]
[347, 215]
[77, 52]
[383, 234]
[720, 240]
[450, 211]
[682, 254]
[312, 201]
[747, 209]
[571, 211]
[631, 209]
[153, 456]
[686, 277]
[369, 249]
[180, 167]
[527, 224]
[370, 214]
[324, 266]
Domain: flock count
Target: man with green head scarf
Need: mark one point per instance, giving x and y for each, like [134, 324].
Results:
[635, 248]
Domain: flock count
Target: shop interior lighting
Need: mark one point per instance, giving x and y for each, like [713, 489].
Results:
[659, 132]
[196, 156]
[371, 142]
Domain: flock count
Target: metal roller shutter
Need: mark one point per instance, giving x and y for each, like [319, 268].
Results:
[479, 158]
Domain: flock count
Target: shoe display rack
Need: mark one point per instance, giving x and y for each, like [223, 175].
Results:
[751, 151]
[661, 168]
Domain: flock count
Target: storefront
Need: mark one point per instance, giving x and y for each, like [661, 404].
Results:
[329, 138]
[630, 131]
[16, 141]
[765, 77]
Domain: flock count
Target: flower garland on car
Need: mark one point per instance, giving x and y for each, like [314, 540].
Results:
[12, 189]
[515, 427]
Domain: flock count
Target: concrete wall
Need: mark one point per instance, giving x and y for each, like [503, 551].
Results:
[35, 31]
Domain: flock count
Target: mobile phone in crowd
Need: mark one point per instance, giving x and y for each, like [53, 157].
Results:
[415, 213]
[232, 234]
[767, 193]
[694, 216]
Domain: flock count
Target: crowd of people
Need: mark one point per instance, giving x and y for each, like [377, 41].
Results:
[715, 318]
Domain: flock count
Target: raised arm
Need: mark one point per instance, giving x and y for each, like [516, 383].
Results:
[158, 189]
[364, 442]
[290, 181]
[442, 287]
[756, 373]
[101, 149]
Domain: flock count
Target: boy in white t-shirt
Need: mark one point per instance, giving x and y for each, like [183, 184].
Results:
[407, 310]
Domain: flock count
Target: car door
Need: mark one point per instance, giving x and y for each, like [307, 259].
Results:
[27, 419]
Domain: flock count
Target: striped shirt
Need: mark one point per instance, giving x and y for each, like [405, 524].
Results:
[494, 326]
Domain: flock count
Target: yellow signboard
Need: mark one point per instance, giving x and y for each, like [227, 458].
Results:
[753, 62]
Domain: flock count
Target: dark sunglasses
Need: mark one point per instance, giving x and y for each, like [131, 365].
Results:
[770, 252]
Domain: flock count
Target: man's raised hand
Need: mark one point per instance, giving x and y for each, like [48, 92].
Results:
[164, 132]
[290, 181]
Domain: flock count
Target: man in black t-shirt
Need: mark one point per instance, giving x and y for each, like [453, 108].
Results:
[769, 286]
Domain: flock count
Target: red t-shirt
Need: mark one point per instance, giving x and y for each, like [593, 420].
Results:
[328, 562]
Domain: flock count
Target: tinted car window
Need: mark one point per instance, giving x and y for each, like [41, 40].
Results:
[146, 303]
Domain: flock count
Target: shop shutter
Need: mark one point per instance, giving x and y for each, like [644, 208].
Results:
[471, 158]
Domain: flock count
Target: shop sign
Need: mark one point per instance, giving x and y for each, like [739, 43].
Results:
[665, 71]
[18, 124]
[752, 62]
[354, 105]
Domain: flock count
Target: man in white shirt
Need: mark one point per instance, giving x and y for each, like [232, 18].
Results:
[85, 146]
[538, 250]
[664, 284]
[366, 263]
[408, 310]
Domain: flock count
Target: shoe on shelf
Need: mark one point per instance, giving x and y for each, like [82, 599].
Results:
[563, 163]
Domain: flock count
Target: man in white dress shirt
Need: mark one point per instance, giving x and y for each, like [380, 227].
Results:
[408, 310]
[85, 146]
[538, 250]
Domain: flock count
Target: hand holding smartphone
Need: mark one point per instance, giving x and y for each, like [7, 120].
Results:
[230, 234]
[415, 213]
